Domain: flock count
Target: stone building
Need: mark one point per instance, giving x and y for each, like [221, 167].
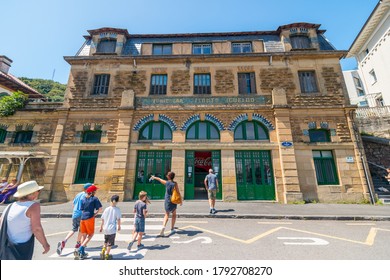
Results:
[267, 110]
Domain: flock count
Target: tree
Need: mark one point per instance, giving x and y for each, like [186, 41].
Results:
[9, 104]
[52, 90]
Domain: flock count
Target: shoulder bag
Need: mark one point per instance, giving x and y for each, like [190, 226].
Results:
[175, 197]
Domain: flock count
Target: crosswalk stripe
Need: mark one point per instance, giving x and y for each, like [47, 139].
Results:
[124, 237]
[122, 252]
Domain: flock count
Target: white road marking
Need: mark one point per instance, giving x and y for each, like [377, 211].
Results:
[360, 224]
[205, 240]
[314, 241]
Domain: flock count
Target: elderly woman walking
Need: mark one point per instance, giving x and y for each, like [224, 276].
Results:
[170, 207]
[21, 224]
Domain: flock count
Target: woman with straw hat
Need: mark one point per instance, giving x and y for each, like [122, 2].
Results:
[22, 220]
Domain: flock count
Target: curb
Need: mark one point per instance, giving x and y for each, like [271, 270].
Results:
[245, 216]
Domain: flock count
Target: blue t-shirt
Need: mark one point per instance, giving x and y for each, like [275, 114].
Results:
[77, 205]
[212, 181]
[89, 205]
[139, 209]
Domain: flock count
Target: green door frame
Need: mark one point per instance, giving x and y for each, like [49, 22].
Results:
[189, 187]
[150, 163]
[254, 175]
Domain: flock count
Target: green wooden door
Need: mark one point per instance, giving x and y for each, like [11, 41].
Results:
[216, 160]
[254, 175]
[150, 163]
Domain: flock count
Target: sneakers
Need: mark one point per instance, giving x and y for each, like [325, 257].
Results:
[130, 245]
[79, 255]
[60, 246]
[173, 231]
[140, 246]
[103, 253]
[162, 232]
[211, 211]
[108, 257]
[83, 256]
[77, 245]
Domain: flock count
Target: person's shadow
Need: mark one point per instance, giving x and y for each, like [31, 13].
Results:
[224, 211]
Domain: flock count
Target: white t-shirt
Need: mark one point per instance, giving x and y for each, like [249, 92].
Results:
[110, 216]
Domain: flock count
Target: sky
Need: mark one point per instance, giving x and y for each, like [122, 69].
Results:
[37, 34]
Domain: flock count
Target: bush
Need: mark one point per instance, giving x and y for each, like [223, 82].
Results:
[9, 104]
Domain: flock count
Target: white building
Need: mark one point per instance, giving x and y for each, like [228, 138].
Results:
[371, 49]
[356, 92]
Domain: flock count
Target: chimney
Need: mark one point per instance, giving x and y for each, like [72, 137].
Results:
[5, 64]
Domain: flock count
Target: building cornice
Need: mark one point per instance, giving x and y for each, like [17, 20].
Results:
[174, 58]
[380, 10]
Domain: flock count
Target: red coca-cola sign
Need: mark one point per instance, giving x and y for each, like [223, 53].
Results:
[203, 160]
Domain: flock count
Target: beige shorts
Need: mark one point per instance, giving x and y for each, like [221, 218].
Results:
[212, 194]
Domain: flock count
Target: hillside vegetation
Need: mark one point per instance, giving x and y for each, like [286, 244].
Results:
[55, 91]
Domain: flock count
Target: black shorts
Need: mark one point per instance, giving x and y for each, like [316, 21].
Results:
[109, 239]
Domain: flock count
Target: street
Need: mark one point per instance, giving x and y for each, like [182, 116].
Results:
[235, 239]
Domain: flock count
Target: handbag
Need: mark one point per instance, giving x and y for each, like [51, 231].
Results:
[175, 197]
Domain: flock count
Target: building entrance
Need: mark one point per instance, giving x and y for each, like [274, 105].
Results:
[197, 167]
[254, 175]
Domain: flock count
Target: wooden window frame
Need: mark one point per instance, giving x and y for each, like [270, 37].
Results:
[321, 164]
[202, 83]
[247, 83]
[101, 84]
[308, 81]
[149, 126]
[160, 84]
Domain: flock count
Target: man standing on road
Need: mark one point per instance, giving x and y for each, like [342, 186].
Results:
[212, 186]
[76, 218]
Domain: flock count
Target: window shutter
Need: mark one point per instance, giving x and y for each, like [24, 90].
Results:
[253, 83]
[241, 83]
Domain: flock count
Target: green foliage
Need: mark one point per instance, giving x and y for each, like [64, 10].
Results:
[9, 104]
[52, 90]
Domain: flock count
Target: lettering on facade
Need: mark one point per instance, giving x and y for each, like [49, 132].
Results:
[174, 101]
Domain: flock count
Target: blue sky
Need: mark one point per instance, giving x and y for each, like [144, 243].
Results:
[37, 34]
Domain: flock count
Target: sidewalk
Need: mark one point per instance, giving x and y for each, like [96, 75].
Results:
[243, 210]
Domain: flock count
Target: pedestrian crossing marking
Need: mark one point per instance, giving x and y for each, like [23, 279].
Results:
[370, 239]
[117, 253]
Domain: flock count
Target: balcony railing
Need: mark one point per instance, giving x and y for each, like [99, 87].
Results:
[373, 112]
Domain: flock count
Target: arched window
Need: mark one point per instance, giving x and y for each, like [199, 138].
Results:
[155, 131]
[250, 131]
[202, 131]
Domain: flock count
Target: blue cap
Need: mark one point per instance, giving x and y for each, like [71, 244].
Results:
[87, 185]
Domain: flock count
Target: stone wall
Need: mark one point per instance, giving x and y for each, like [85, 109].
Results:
[224, 81]
[377, 150]
[180, 82]
[378, 126]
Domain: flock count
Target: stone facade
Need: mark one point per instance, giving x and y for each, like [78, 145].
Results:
[256, 134]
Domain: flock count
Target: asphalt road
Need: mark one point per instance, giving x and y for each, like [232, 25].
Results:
[235, 239]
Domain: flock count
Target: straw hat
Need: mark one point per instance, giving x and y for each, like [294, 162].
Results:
[27, 188]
